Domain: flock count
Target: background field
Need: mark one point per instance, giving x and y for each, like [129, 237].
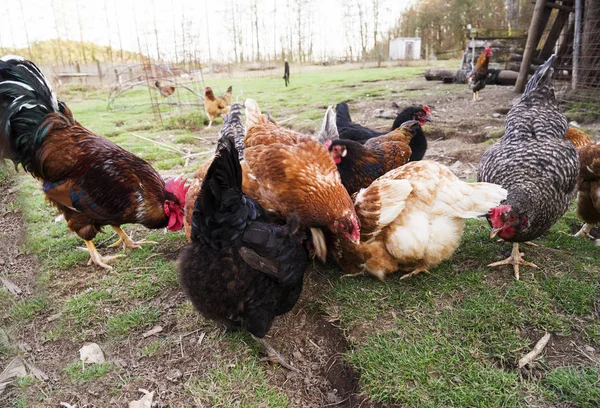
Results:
[448, 339]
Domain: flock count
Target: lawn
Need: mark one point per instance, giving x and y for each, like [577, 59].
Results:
[448, 339]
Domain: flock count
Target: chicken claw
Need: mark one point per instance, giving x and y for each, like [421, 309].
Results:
[415, 272]
[96, 258]
[126, 241]
[515, 259]
[584, 231]
[274, 357]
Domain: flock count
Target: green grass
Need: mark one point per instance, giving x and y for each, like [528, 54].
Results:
[237, 383]
[128, 322]
[576, 385]
[28, 308]
[79, 373]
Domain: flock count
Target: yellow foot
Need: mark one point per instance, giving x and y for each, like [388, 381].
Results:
[126, 241]
[515, 259]
[96, 258]
[415, 272]
[352, 275]
[584, 231]
[274, 357]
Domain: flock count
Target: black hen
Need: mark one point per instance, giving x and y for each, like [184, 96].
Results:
[358, 133]
[240, 269]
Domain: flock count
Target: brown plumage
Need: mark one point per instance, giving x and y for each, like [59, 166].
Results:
[165, 90]
[588, 188]
[215, 106]
[578, 137]
[91, 180]
[359, 165]
[287, 172]
[477, 77]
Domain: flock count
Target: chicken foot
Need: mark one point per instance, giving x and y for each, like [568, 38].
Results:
[274, 357]
[126, 241]
[515, 259]
[584, 231]
[415, 272]
[98, 259]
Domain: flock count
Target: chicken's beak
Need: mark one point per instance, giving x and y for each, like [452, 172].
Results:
[429, 119]
[494, 232]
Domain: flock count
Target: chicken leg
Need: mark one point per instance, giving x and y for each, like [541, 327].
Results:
[96, 258]
[126, 241]
[584, 231]
[274, 357]
[515, 259]
[415, 272]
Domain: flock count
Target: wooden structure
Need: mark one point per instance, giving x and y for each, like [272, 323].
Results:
[560, 25]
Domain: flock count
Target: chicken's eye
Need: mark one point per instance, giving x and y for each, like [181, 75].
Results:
[514, 217]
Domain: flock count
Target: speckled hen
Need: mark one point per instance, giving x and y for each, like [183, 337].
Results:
[535, 163]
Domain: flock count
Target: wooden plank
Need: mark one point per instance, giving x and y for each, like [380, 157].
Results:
[560, 7]
[561, 19]
[531, 45]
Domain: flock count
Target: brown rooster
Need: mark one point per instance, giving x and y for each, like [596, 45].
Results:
[578, 137]
[91, 180]
[359, 165]
[477, 77]
[287, 172]
[215, 106]
[165, 90]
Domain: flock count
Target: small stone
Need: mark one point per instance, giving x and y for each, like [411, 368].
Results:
[496, 115]
[1, 261]
[457, 380]
[297, 355]
[91, 353]
[590, 349]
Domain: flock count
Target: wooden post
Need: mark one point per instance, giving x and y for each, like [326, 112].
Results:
[557, 27]
[531, 45]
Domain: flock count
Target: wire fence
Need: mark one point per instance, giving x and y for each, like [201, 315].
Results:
[578, 77]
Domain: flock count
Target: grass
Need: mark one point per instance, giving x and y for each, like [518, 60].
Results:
[80, 373]
[237, 383]
[449, 339]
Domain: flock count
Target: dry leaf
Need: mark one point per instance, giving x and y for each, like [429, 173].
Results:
[15, 368]
[154, 330]
[36, 372]
[11, 287]
[144, 402]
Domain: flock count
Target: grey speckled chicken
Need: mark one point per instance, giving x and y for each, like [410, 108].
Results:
[535, 163]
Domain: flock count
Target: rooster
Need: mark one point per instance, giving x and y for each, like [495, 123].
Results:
[353, 131]
[215, 106]
[233, 128]
[476, 78]
[240, 269]
[535, 163]
[412, 218]
[359, 165]
[165, 90]
[287, 172]
[92, 181]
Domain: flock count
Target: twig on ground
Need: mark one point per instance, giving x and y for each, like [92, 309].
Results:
[537, 349]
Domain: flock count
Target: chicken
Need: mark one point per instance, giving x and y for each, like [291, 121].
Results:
[353, 131]
[588, 182]
[240, 269]
[476, 78]
[92, 181]
[215, 106]
[412, 218]
[535, 163]
[165, 90]
[578, 137]
[287, 172]
[233, 128]
[359, 165]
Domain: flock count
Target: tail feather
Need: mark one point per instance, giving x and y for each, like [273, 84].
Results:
[541, 78]
[328, 129]
[233, 128]
[470, 200]
[342, 113]
[26, 100]
[253, 114]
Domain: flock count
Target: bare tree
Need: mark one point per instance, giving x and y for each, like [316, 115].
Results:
[255, 22]
[363, 28]
[60, 48]
[25, 28]
[119, 36]
[81, 44]
[110, 50]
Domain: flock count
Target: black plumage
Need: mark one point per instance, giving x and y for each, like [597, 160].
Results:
[533, 161]
[240, 269]
[233, 128]
[358, 133]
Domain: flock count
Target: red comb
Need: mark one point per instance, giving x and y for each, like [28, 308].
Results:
[426, 109]
[177, 186]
